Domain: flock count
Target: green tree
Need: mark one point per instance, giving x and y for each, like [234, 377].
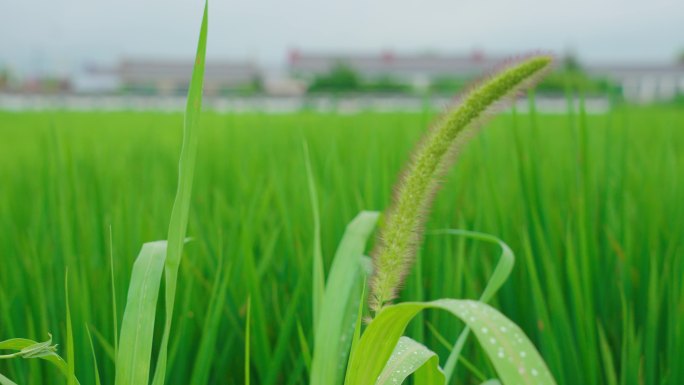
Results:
[341, 78]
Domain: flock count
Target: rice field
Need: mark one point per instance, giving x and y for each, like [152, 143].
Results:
[591, 205]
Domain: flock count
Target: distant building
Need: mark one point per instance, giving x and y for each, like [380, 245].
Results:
[275, 85]
[640, 83]
[416, 70]
[168, 76]
[46, 85]
[165, 77]
[643, 83]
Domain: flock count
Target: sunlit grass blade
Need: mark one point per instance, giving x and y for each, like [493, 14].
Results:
[137, 328]
[412, 358]
[339, 306]
[181, 206]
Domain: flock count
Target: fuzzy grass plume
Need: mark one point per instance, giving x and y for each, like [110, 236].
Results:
[402, 232]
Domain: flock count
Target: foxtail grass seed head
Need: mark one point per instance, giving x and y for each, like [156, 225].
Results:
[402, 231]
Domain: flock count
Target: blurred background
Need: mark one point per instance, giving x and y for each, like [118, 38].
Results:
[280, 56]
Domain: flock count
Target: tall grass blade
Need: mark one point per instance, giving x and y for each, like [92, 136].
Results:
[212, 323]
[607, 358]
[96, 369]
[115, 317]
[71, 369]
[247, 338]
[318, 275]
[181, 205]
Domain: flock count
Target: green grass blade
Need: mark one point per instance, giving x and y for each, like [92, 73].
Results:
[105, 345]
[115, 317]
[96, 369]
[411, 357]
[137, 328]
[501, 273]
[71, 369]
[212, 323]
[247, 337]
[607, 357]
[466, 364]
[6, 381]
[514, 357]
[356, 337]
[181, 206]
[304, 347]
[339, 307]
[318, 274]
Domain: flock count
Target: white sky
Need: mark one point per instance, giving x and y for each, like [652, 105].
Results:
[61, 35]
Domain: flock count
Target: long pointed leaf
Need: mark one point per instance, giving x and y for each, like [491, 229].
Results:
[318, 276]
[181, 206]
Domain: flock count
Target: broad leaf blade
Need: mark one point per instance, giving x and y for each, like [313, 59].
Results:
[340, 303]
[6, 381]
[411, 357]
[137, 328]
[514, 357]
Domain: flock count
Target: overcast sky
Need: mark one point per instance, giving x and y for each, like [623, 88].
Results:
[62, 35]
